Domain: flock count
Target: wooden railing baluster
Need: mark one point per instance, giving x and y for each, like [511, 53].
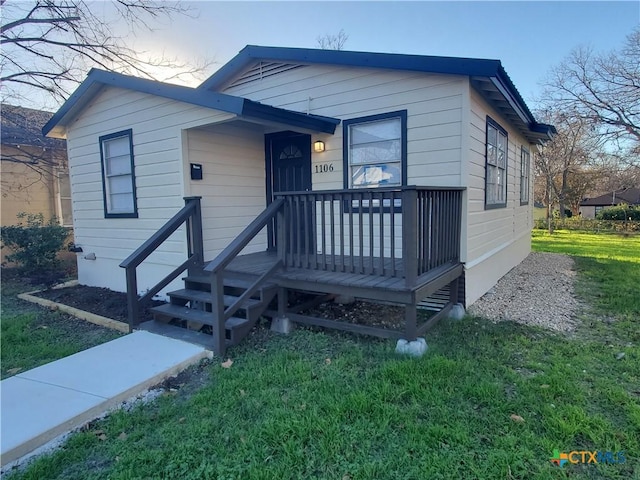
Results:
[341, 214]
[332, 226]
[429, 232]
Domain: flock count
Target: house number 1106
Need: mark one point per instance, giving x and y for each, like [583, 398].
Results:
[324, 168]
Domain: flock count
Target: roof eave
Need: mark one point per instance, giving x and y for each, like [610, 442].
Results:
[389, 61]
[294, 119]
[98, 79]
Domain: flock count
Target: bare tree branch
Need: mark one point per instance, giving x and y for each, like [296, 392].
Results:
[603, 90]
[566, 168]
[49, 45]
[332, 42]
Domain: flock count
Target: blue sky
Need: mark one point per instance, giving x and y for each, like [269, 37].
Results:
[528, 37]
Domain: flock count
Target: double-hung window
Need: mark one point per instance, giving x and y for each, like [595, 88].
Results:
[525, 166]
[64, 196]
[118, 178]
[375, 151]
[496, 166]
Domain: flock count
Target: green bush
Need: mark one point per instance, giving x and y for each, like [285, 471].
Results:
[589, 225]
[36, 243]
[620, 212]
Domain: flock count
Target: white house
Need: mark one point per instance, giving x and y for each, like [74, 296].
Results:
[360, 126]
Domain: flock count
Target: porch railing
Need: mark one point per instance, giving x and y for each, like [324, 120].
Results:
[189, 214]
[390, 232]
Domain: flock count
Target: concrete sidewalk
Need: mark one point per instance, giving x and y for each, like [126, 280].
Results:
[41, 404]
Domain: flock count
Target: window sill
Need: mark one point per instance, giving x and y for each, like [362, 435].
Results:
[495, 206]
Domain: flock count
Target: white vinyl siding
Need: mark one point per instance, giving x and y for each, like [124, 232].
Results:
[157, 125]
[496, 239]
[233, 188]
[433, 104]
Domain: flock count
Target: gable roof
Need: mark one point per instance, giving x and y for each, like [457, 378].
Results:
[22, 126]
[98, 79]
[630, 196]
[487, 76]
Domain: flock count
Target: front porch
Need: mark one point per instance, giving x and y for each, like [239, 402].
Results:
[397, 245]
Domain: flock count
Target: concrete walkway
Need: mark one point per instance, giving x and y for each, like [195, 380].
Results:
[41, 404]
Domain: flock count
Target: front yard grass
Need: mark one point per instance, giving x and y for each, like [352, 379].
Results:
[32, 335]
[486, 401]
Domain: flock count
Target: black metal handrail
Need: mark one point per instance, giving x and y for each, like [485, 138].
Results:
[191, 214]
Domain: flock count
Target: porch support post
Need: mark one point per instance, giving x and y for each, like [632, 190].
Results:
[217, 310]
[281, 237]
[132, 298]
[195, 240]
[457, 309]
[281, 323]
[453, 291]
[411, 345]
[409, 236]
[410, 322]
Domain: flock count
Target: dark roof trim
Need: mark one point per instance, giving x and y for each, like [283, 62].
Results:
[96, 79]
[472, 67]
[393, 61]
[506, 86]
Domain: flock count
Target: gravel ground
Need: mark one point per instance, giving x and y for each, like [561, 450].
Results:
[539, 291]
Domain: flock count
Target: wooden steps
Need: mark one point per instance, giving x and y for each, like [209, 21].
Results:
[192, 307]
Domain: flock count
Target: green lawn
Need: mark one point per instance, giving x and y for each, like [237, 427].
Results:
[334, 406]
[610, 268]
[33, 335]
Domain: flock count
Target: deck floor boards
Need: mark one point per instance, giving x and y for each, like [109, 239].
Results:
[332, 274]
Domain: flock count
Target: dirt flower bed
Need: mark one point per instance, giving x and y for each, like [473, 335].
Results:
[100, 301]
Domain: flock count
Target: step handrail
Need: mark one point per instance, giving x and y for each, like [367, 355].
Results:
[216, 267]
[191, 214]
[242, 240]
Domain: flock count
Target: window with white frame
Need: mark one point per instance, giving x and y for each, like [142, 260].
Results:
[496, 166]
[525, 169]
[375, 150]
[118, 179]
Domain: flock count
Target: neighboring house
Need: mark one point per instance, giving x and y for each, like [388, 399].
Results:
[590, 207]
[349, 133]
[35, 178]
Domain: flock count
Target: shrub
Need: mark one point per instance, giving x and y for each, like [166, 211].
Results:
[589, 225]
[620, 212]
[36, 243]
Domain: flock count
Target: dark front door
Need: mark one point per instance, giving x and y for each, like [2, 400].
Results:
[290, 162]
[289, 170]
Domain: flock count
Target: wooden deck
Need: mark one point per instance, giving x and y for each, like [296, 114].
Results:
[332, 242]
[335, 278]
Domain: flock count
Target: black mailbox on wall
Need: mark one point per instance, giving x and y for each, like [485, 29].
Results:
[196, 171]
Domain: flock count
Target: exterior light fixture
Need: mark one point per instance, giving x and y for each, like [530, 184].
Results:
[318, 146]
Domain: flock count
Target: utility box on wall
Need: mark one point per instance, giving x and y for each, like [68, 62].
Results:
[196, 171]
